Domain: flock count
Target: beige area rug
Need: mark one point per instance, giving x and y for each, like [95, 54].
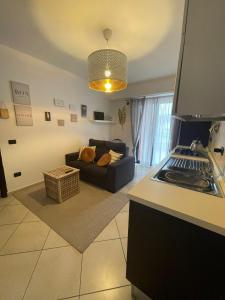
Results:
[79, 219]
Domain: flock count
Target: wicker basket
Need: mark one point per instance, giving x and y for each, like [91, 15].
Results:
[62, 183]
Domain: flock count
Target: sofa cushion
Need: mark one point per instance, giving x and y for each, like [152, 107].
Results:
[115, 156]
[96, 171]
[103, 147]
[84, 147]
[89, 168]
[79, 164]
[117, 147]
[87, 155]
[104, 160]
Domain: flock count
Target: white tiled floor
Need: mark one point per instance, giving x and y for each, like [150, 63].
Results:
[37, 263]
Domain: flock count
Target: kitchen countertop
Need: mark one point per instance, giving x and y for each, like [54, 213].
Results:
[201, 209]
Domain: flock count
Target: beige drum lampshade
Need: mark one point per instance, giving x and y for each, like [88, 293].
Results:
[107, 69]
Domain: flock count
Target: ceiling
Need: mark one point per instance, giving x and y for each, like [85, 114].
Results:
[65, 32]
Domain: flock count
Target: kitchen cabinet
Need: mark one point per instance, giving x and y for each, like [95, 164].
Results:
[169, 258]
[200, 84]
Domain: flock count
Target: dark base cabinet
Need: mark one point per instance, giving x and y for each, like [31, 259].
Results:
[169, 258]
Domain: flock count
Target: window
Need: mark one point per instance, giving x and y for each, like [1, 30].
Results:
[154, 142]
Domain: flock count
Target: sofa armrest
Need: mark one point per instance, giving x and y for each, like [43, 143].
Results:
[71, 157]
[120, 173]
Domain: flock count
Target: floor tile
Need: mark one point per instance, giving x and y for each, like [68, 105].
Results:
[12, 214]
[124, 244]
[30, 217]
[125, 208]
[5, 201]
[122, 223]
[57, 275]
[14, 201]
[123, 293]
[15, 272]
[110, 232]
[54, 240]
[103, 267]
[27, 237]
[5, 232]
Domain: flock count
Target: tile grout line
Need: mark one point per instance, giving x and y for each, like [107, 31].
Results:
[22, 252]
[9, 224]
[25, 215]
[81, 269]
[105, 290]
[121, 242]
[95, 292]
[29, 281]
[31, 275]
[21, 223]
[113, 239]
[46, 237]
[29, 251]
[18, 224]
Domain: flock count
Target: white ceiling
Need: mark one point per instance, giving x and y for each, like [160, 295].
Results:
[65, 32]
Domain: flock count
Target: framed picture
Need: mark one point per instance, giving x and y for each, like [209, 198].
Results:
[60, 122]
[20, 93]
[4, 112]
[47, 116]
[23, 115]
[59, 102]
[73, 118]
[72, 107]
[83, 111]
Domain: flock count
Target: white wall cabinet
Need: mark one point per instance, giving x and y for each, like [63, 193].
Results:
[200, 84]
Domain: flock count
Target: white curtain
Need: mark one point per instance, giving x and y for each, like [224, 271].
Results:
[155, 136]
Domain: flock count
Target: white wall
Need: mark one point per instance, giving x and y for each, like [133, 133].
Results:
[43, 146]
[151, 87]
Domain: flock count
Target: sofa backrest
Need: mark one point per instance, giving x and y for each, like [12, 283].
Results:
[103, 147]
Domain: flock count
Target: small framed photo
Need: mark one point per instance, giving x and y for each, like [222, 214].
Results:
[72, 107]
[23, 115]
[83, 111]
[47, 116]
[73, 118]
[60, 122]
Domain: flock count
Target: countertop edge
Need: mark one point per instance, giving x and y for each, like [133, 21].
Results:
[189, 218]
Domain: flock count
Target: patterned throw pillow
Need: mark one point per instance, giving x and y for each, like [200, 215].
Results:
[104, 160]
[87, 155]
[83, 147]
[115, 156]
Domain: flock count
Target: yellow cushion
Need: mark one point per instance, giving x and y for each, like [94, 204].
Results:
[87, 155]
[104, 160]
[83, 147]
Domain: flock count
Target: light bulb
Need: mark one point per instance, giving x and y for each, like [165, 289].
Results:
[107, 73]
[108, 86]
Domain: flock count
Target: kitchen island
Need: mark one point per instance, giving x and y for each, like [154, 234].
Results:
[176, 241]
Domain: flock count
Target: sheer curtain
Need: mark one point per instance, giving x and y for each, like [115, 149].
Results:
[155, 135]
[136, 111]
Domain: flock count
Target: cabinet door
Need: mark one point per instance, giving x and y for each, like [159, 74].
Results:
[170, 259]
[201, 78]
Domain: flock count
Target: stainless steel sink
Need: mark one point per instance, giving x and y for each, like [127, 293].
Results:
[194, 175]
